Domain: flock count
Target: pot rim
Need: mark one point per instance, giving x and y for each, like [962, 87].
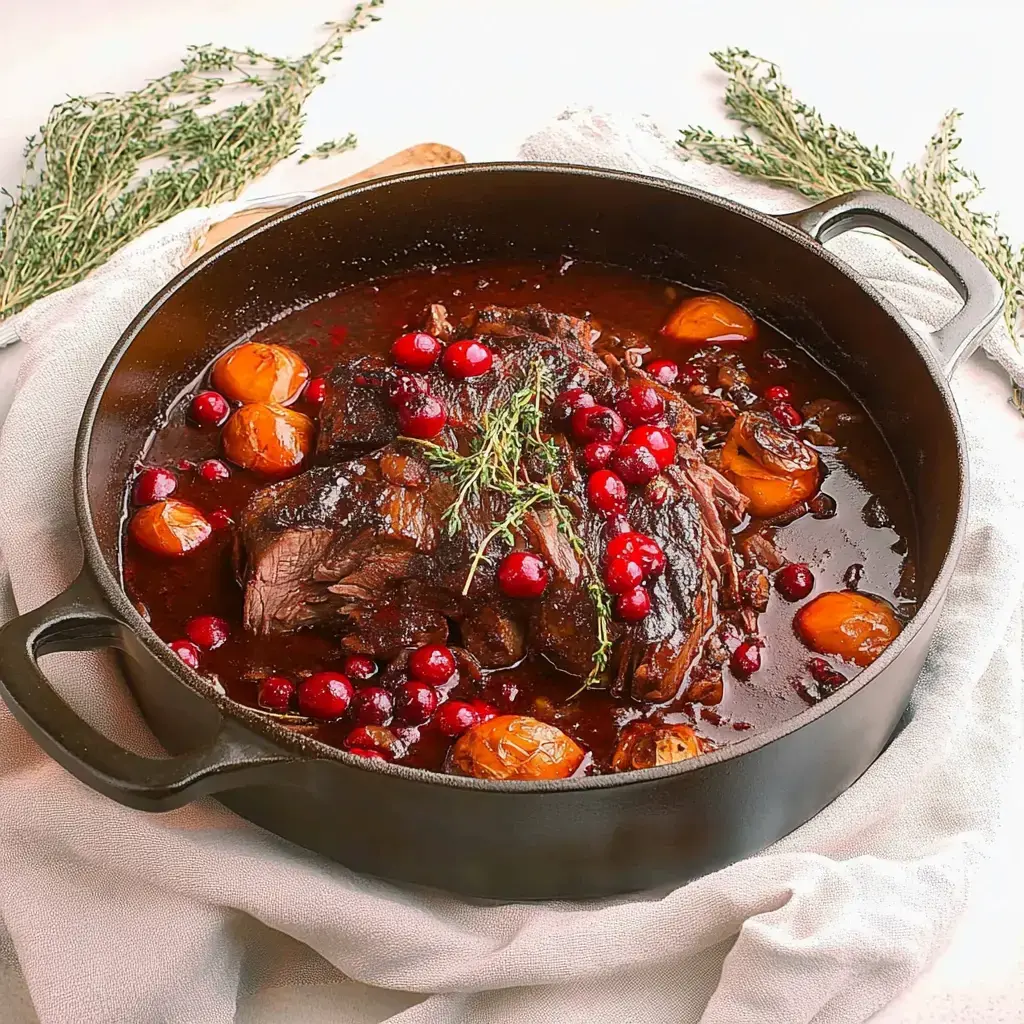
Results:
[310, 748]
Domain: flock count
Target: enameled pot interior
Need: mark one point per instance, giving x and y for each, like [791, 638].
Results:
[495, 212]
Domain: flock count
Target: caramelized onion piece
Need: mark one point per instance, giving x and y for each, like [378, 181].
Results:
[169, 527]
[255, 372]
[267, 438]
[516, 747]
[709, 318]
[768, 464]
[853, 626]
[646, 745]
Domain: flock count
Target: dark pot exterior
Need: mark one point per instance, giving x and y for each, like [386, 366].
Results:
[570, 839]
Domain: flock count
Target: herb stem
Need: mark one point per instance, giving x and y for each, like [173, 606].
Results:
[496, 465]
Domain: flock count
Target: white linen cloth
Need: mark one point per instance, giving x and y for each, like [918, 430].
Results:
[110, 915]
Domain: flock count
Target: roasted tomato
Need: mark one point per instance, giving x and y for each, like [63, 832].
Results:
[709, 318]
[853, 626]
[768, 464]
[170, 527]
[516, 747]
[646, 745]
[255, 372]
[267, 438]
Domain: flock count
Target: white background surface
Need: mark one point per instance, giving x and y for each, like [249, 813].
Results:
[482, 75]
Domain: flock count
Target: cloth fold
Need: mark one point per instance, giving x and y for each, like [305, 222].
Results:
[110, 915]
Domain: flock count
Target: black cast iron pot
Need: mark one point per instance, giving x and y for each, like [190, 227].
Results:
[575, 838]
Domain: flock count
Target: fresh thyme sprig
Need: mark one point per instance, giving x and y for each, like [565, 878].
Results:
[331, 148]
[796, 147]
[104, 169]
[496, 464]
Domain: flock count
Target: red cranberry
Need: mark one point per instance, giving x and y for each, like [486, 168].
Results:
[208, 631]
[422, 416]
[522, 574]
[778, 393]
[153, 484]
[370, 755]
[596, 454]
[787, 415]
[606, 491]
[691, 374]
[746, 659]
[210, 408]
[664, 371]
[641, 404]
[569, 401]
[454, 717]
[824, 674]
[316, 390]
[358, 666]
[415, 702]
[213, 469]
[794, 581]
[634, 606]
[623, 575]
[372, 706]
[368, 742]
[641, 549]
[660, 443]
[187, 651]
[275, 693]
[416, 351]
[325, 695]
[484, 710]
[219, 518]
[635, 463]
[467, 359]
[597, 423]
[406, 386]
[433, 664]
[616, 525]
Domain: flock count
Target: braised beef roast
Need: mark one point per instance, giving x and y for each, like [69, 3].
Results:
[523, 589]
[360, 542]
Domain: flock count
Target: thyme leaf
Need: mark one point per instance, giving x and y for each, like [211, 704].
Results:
[104, 169]
[798, 148]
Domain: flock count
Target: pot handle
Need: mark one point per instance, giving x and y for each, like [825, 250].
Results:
[983, 298]
[78, 620]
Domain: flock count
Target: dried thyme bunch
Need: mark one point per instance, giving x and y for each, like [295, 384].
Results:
[104, 169]
[796, 147]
